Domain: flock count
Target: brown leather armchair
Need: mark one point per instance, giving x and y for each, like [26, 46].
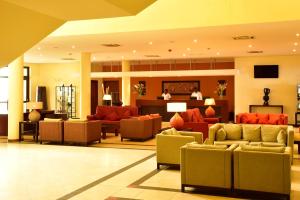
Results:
[51, 130]
[82, 131]
[136, 128]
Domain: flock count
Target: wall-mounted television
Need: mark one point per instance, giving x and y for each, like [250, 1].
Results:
[266, 71]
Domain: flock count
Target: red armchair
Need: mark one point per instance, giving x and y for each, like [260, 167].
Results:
[260, 118]
[193, 119]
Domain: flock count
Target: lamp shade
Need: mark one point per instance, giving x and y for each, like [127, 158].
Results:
[107, 97]
[176, 107]
[34, 105]
[209, 102]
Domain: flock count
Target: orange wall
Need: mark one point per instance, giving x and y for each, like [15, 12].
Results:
[208, 87]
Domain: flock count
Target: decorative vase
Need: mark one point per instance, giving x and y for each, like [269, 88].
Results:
[266, 96]
[177, 122]
[210, 112]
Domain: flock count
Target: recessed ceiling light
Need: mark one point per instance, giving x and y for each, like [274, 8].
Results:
[244, 37]
[188, 49]
[39, 48]
[297, 34]
[218, 53]
[122, 57]
[73, 47]
[150, 43]
[250, 46]
[295, 43]
[195, 40]
[94, 57]
[183, 55]
[134, 51]
[294, 50]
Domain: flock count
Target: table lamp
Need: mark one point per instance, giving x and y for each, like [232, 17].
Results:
[209, 112]
[34, 115]
[107, 99]
[176, 121]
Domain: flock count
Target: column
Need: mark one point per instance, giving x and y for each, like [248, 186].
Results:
[125, 83]
[85, 85]
[15, 97]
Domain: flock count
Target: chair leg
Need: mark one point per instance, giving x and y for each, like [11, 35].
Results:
[121, 139]
[157, 166]
[41, 142]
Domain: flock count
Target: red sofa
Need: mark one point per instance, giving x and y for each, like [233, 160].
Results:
[260, 118]
[193, 119]
[112, 115]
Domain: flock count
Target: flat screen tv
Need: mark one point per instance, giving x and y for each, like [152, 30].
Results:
[266, 71]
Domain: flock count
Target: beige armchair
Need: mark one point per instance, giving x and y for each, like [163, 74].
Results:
[168, 146]
[51, 130]
[135, 128]
[206, 166]
[82, 131]
[263, 171]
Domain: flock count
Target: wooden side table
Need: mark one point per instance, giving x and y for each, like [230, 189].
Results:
[32, 130]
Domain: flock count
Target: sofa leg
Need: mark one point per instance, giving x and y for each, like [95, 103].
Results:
[182, 188]
[41, 142]
[121, 139]
[157, 166]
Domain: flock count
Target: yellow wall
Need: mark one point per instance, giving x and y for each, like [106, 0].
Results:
[283, 90]
[51, 75]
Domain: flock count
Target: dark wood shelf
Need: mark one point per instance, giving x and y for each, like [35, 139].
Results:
[266, 106]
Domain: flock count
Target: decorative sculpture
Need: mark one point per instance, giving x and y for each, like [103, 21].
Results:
[266, 96]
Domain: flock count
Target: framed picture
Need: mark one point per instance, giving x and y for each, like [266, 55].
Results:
[222, 83]
[180, 87]
[144, 88]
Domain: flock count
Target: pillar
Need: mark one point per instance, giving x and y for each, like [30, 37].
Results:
[125, 83]
[15, 97]
[85, 85]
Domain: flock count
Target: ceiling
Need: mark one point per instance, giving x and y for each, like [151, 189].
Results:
[168, 29]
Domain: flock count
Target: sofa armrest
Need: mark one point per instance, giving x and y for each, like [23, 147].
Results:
[197, 135]
[91, 117]
[197, 127]
[212, 131]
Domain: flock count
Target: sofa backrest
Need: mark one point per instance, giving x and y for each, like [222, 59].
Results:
[261, 118]
[115, 113]
[192, 115]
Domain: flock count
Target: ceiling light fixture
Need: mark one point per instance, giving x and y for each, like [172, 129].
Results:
[150, 43]
[94, 57]
[195, 40]
[297, 34]
[188, 49]
[244, 37]
[250, 46]
[294, 50]
[183, 55]
[122, 57]
[134, 51]
[218, 53]
[39, 48]
[295, 43]
[73, 47]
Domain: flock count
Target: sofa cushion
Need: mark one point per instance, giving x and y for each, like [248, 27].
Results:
[274, 118]
[269, 133]
[144, 117]
[251, 133]
[221, 134]
[251, 118]
[156, 115]
[197, 117]
[272, 144]
[125, 114]
[233, 131]
[230, 142]
[206, 146]
[113, 116]
[282, 136]
[262, 149]
[52, 120]
[171, 131]
[262, 118]
[255, 143]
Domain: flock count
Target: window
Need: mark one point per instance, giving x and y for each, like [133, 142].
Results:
[4, 88]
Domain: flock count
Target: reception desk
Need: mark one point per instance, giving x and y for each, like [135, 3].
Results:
[160, 106]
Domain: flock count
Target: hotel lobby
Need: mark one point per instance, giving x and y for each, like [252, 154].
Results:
[84, 112]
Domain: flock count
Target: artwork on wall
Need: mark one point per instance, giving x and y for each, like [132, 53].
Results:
[221, 88]
[140, 88]
[180, 87]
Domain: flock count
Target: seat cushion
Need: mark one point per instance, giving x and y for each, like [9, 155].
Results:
[206, 146]
[233, 131]
[262, 149]
[272, 144]
[113, 116]
[230, 142]
[251, 133]
[197, 117]
[269, 133]
[274, 118]
[171, 131]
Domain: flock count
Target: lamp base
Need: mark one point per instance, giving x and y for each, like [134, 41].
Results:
[210, 112]
[177, 122]
[34, 116]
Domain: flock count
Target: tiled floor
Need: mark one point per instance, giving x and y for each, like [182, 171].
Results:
[33, 171]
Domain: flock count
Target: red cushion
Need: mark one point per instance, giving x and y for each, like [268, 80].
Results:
[155, 115]
[184, 116]
[113, 116]
[126, 114]
[274, 118]
[189, 115]
[144, 117]
[197, 117]
[263, 118]
[252, 118]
